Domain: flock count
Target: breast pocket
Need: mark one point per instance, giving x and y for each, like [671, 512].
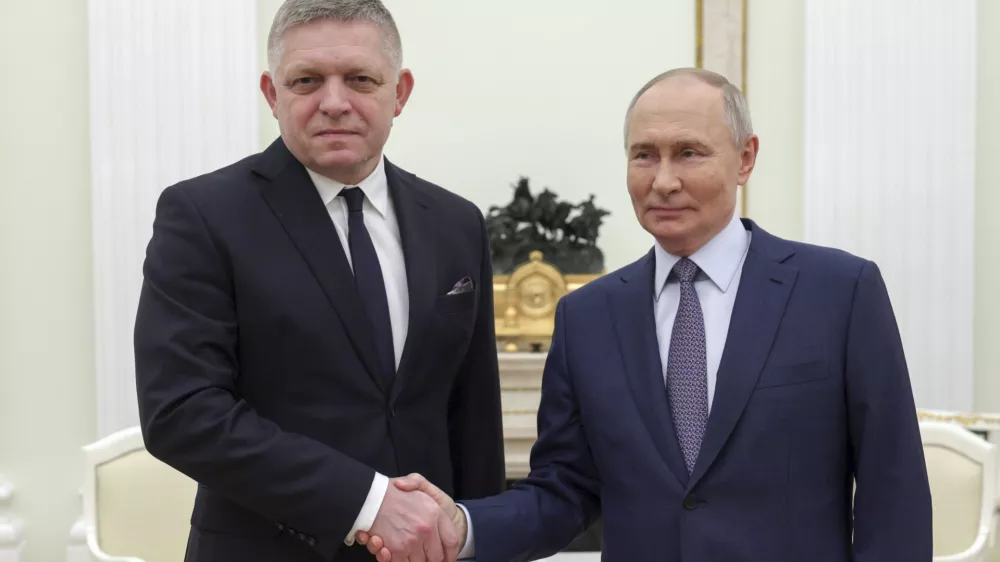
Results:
[452, 325]
[798, 373]
[453, 304]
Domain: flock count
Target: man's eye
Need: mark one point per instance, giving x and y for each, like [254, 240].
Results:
[305, 81]
[688, 154]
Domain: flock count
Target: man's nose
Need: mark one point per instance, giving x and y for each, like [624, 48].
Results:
[666, 181]
[336, 98]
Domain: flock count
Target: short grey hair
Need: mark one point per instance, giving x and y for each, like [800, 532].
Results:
[298, 12]
[737, 112]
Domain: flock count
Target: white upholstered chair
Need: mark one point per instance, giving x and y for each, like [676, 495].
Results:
[961, 467]
[135, 508]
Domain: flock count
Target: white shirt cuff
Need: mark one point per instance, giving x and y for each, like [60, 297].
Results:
[370, 508]
[469, 550]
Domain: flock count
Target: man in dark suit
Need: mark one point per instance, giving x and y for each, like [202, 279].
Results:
[315, 320]
[716, 400]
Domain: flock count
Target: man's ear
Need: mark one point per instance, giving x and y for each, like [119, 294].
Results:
[404, 87]
[748, 159]
[270, 92]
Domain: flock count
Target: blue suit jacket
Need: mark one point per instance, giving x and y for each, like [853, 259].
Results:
[812, 393]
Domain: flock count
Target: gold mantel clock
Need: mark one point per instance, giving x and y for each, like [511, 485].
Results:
[525, 303]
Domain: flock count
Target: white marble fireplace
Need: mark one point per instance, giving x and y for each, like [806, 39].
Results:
[520, 386]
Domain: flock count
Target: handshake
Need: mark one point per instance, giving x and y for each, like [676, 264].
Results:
[416, 523]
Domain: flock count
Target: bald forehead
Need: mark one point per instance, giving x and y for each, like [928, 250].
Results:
[680, 92]
[680, 106]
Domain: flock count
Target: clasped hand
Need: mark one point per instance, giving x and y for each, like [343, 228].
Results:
[417, 523]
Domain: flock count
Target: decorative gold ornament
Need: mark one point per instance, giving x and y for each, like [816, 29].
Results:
[969, 420]
[525, 303]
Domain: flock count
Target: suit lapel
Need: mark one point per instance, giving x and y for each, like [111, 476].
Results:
[298, 206]
[635, 325]
[765, 286]
[416, 230]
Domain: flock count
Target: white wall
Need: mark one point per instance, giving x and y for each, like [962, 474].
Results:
[775, 92]
[537, 89]
[531, 88]
[46, 293]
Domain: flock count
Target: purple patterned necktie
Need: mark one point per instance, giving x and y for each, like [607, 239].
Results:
[687, 373]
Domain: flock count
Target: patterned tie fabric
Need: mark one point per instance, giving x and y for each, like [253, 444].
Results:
[687, 372]
[368, 278]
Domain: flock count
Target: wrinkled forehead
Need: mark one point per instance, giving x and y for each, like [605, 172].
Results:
[329, 43]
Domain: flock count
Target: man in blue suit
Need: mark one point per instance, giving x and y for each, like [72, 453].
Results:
[718, 399]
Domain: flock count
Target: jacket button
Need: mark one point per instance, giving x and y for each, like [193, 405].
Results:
[311, 541]
[281, 527]
[690, 502]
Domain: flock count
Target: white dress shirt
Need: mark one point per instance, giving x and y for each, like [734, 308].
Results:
[721, 264]
[380, 220]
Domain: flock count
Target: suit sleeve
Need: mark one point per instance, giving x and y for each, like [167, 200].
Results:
[892, 510]
[475, 420]
[192, 415]
[542, 514]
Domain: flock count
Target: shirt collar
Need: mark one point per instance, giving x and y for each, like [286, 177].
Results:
[718, 259]
[375, 187]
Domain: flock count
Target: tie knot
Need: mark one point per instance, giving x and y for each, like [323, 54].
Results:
[354, 197]
[685, 270]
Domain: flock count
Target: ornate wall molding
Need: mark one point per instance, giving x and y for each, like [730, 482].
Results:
[11, 527]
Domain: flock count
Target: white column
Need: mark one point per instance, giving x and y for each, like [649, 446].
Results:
[173, 94]
[11, 528]
[890, 167]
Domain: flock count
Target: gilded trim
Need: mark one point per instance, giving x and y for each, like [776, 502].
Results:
[743, 76]
[965, 419]
[520, 412]
[743, 51]
[699, 38]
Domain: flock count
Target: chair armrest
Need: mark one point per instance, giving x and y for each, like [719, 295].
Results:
[100, 555]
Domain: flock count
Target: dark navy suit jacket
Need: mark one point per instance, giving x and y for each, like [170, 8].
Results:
[812, 393]
[257, 370]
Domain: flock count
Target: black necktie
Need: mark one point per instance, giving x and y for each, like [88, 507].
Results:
[368, 278]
